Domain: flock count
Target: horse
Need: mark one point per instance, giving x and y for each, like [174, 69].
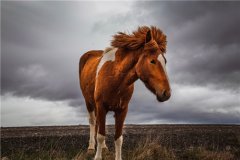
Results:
[107, 80]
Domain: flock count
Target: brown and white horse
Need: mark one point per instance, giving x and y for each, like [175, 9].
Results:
[107, 80]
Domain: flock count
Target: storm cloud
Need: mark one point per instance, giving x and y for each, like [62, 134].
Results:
[203, 40]
[43, 41]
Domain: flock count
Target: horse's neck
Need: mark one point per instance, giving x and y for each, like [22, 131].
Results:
[126, 65]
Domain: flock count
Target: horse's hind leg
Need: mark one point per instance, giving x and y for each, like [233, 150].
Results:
[92, 124]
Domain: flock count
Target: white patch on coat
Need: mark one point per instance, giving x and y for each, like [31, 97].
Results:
[107, 56]
[118, 148]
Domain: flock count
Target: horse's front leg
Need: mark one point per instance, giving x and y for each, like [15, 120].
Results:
[119, 121]
[101, 120]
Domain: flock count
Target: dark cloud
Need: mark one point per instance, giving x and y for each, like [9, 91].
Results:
[42, 43]
[203, 40]
[40, 52]
[41, 46]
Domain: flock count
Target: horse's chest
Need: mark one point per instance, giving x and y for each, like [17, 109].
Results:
[114, 103]
[116, 99]
[111, 96]
[107, 87]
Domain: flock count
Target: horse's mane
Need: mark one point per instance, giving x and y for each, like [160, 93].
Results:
[136, 40]
[107, 49]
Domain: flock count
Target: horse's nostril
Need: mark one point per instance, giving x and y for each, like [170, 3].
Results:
[164, 93]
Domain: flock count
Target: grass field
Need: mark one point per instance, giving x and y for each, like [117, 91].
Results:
[141, 142]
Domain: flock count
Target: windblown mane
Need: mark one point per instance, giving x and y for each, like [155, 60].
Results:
[136, 40]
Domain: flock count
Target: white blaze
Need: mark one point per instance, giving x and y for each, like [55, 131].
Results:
[163, 63]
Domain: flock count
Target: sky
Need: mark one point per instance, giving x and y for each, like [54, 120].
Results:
[42, 41]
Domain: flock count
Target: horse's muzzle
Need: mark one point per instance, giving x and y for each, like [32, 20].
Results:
[165, 95]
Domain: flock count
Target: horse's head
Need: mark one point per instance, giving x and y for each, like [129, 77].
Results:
[151, 69]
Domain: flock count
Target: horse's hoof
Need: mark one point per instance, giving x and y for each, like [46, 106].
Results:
[90, 151]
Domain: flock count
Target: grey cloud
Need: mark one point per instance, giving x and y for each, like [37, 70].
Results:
[188, 104]
[42, 43]
[209, 66]
[203, 40]
[41, 50]
[41, 46]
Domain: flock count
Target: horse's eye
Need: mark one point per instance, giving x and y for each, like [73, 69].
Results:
[153, 61]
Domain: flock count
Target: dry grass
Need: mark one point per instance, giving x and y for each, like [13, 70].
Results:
[146, 149]
[203, 154]
[150, 149]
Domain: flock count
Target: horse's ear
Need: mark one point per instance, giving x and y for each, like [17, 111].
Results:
[148, 36]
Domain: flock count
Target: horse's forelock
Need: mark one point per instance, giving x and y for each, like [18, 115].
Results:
[152, 45]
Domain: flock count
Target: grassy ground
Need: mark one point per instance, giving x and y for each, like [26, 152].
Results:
[140, 143]
[146, 149]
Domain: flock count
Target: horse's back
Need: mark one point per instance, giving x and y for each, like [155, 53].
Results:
[87, 73]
